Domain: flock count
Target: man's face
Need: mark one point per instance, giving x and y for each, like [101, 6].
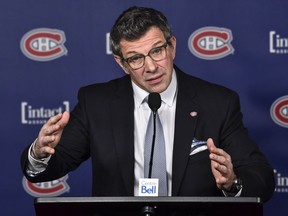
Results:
[154, 76]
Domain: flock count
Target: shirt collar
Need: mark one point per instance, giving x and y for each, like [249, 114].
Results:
[167, 96]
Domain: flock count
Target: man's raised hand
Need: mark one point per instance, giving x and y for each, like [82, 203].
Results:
[50, 135]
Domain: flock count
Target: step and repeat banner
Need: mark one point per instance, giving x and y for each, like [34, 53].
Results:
[49, 49]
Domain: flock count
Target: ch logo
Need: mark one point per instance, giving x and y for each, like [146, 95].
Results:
[279, 111]
[43, 44]
[46, 189]
[211, 43]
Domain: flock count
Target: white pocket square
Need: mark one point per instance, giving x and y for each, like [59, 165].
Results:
[197, 146]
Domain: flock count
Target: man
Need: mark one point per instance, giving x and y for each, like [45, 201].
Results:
[109, 122]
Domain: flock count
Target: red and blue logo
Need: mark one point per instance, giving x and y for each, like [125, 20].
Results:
[211, 43]
[43, 44]
[46, 189]
[279, 111]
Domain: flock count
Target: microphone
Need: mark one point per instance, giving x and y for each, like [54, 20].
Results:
[154, 102]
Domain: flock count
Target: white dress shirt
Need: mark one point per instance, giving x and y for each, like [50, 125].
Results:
[167, 117]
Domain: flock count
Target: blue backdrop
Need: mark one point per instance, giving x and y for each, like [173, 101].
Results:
[48, 49]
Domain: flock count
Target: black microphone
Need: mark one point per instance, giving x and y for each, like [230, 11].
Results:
[154, 102]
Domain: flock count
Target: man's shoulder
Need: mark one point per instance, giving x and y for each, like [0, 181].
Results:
[94, 95]
[114, 83]
[199, 84]
[122, 84]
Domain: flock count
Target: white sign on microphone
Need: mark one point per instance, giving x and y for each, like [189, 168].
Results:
[148, 187]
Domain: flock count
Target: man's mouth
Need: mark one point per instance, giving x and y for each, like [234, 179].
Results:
[155, 80]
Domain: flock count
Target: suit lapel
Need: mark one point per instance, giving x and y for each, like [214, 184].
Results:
[123, 130]
[185, 124]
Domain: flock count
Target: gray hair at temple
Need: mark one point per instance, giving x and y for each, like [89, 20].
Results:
[134, 22]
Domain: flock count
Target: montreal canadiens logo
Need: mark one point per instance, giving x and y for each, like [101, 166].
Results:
[211, 43]
[46, 189]
[43, 44]
[279, 111]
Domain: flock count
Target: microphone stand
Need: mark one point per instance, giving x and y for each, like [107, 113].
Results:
[154, 105]
[147, 211]
[153, 144]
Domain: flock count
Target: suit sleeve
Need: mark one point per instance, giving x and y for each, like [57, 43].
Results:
[248, 161]
[70, 152]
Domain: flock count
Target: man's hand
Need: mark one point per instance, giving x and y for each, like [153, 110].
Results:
[49, 135]
[221, 165]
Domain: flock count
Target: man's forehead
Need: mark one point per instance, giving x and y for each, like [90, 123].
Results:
[152, 38]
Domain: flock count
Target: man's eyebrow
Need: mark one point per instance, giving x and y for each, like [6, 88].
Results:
[153, 46]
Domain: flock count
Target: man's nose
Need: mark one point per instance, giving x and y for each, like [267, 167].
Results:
[150, 64]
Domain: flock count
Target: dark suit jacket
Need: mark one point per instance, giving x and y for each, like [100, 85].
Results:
[102, 126]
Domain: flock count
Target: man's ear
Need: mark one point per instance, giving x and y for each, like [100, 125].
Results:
[120, 63]
[173, 44]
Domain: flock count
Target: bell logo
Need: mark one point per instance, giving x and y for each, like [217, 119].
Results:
[43, 44]
[148, 187]
[211, 43]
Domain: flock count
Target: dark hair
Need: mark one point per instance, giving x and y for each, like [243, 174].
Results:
[134, 22]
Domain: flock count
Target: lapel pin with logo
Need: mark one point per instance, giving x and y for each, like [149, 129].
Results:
[193, 114]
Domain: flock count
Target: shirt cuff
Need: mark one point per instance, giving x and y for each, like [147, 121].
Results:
[226, 194]
[36, 166]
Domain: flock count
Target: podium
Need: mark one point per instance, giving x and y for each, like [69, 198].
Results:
[148, 206]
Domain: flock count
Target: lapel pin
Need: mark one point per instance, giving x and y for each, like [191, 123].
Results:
[193, 114]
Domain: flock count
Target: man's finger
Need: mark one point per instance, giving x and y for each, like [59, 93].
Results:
[48, 150]
[64, 119]
[210, 144]
[54, 119]
[55, 124]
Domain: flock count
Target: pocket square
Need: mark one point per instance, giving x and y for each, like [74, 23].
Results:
[197, 146]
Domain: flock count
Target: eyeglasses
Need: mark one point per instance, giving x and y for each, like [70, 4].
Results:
[156, 54]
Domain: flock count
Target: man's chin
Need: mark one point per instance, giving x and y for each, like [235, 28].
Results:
[158, 88]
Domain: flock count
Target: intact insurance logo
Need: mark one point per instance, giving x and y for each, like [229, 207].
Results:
[281, 182]
[211, 43]
[279, 111]
[32, 115]
[43, 44]
[277, 43]
[46, 189]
